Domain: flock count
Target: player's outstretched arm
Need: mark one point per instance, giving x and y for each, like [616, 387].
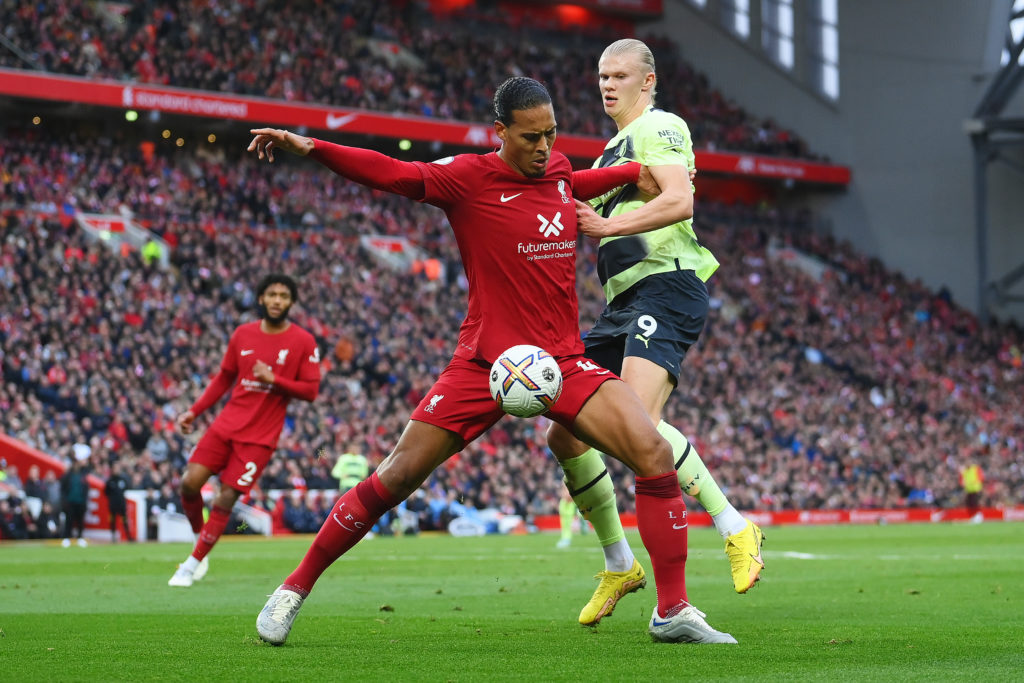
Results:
[364, 166]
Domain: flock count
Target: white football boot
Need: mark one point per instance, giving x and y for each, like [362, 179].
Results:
[182, 578]
[275, 619]
[200, 571]
[686, 626]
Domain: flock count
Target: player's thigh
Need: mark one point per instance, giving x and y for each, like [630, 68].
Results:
[245, 466]
[420, 450]
[650, 382]
[615, 422]
[456, 410]
[195, 476]
[209, 457]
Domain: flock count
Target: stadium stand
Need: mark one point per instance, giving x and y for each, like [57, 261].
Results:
[389, 56]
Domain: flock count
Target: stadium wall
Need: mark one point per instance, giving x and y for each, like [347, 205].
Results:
[911, 72]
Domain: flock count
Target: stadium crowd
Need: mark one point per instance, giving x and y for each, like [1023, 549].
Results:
[824, 380]
[388, 56]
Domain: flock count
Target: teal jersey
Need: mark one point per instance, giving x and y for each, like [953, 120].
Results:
[655, 138]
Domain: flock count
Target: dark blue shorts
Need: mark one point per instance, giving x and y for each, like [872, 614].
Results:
[658, 318]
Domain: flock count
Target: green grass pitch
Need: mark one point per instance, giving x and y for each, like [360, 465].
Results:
[883, 603]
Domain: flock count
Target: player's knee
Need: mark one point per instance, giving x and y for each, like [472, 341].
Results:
[561, 441]
[653, 455]
[226, 498]
[189, 488]
[399, 477]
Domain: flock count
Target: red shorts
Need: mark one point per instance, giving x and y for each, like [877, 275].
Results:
[237, 464]
[460, 401]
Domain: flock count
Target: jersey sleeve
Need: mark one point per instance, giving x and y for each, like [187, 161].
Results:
[663, 141]
[450, 180]
[229, 364]
[310, 368]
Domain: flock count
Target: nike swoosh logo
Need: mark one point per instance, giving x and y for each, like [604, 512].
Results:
[248, 352]
[508, 199]
[336, 122]
[602, 372]
[757, 558]
[678, 526]
[655, 622]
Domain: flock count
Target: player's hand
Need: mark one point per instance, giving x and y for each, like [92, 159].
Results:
[263, 372]
[269, 139]
[589, 222]
[185, 421]
[647, 184]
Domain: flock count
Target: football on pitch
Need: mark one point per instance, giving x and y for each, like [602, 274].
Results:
[525, 381]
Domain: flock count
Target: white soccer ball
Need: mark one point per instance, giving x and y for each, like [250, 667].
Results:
[525, 381]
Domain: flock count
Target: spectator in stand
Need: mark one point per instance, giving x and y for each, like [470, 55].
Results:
[52, 490]
[115, 488]
[34, 487]
[298, 516]
[48, 522]
[15, 522]
[9, 475]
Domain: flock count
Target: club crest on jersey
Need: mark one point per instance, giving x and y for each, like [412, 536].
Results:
[433, 403]
[561, 188]
[282, 355]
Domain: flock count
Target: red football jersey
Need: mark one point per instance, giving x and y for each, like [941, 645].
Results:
[255, 412]
[517, 237]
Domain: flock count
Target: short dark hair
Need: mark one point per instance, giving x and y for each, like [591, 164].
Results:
[518, 94]
[278, 279]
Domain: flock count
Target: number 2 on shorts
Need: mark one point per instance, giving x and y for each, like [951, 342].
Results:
[250, 472]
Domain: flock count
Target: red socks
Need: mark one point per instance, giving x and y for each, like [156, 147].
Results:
[352, 517]
[661, 518]
[193, 509]
[211, 531]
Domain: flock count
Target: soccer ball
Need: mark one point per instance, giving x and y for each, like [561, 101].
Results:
[525, 381]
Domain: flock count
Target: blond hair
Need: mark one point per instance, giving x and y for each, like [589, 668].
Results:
[639, 49]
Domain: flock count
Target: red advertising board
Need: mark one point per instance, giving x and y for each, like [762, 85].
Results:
[804, 517]
[261, 111]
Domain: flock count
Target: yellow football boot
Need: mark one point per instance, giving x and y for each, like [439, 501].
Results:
[744, 551]
[613, 586]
